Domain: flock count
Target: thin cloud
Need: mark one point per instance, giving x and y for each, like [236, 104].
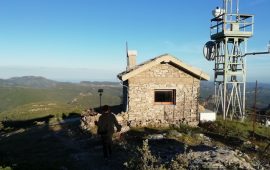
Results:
[257, 2]
[187, 47]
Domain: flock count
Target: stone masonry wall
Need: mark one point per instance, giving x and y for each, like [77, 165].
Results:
[143, 110]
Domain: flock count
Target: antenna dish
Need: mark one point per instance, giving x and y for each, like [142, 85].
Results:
[209, 50]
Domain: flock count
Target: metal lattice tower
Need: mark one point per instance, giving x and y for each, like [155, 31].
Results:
[229, 34]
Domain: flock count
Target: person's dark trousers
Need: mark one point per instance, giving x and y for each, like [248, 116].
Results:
[107, 145]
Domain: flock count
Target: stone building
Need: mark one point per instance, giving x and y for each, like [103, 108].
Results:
[163, 90]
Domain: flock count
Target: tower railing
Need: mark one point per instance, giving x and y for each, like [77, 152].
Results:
[232, 24]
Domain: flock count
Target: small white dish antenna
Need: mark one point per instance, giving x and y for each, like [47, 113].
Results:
[209, 50]
[218, 12]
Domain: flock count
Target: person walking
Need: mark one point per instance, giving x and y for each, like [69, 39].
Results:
[106, 123]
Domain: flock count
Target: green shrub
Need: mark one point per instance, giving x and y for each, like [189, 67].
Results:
[5, 168]
[180, 162]
[144, 160]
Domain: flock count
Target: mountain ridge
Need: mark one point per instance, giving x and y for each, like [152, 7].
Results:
[28, 81]
[37, 87]
[42, 82]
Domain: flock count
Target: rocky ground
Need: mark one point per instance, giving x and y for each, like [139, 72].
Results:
[206, 155]
[77, 142]
[197, 149]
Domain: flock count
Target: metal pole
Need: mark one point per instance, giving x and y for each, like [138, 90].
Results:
[231, 11]
[100, 102]
[237, 6]
[225, 79]
[255, 110]
[100, 91]
[244, 80]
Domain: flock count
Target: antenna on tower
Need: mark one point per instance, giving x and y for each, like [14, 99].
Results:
[268, 46]
[229, 33]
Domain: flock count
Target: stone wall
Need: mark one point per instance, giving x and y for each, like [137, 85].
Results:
[142, 108]
[89, 117]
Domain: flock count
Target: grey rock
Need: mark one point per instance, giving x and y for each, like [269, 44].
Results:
[220, 158]
[175, 133]
[156, 136]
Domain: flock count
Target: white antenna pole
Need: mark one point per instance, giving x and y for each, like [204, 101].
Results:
[225, 5]
[127, 55]
[268, 46]
[231, 7]
[127, 47]
[237, 6]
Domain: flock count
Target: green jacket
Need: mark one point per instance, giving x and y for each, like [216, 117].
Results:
[106, 123]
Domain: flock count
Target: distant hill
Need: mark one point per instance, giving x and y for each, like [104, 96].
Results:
[41, 82]
[22, 96]
[28, 81]
[263, 94]
[40, 96]
[101, 83]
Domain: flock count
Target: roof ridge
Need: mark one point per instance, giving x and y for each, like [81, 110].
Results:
[152, 62]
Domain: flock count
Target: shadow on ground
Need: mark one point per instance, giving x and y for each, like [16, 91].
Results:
[257, 136]
[17, 124]
[36, 144]
[65, 145]
[62, 145]
[227, 140]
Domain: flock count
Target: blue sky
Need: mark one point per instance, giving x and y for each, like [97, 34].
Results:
[73, 40]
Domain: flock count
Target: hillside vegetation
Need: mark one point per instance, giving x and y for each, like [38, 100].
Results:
[30, 97]
[263, 93]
